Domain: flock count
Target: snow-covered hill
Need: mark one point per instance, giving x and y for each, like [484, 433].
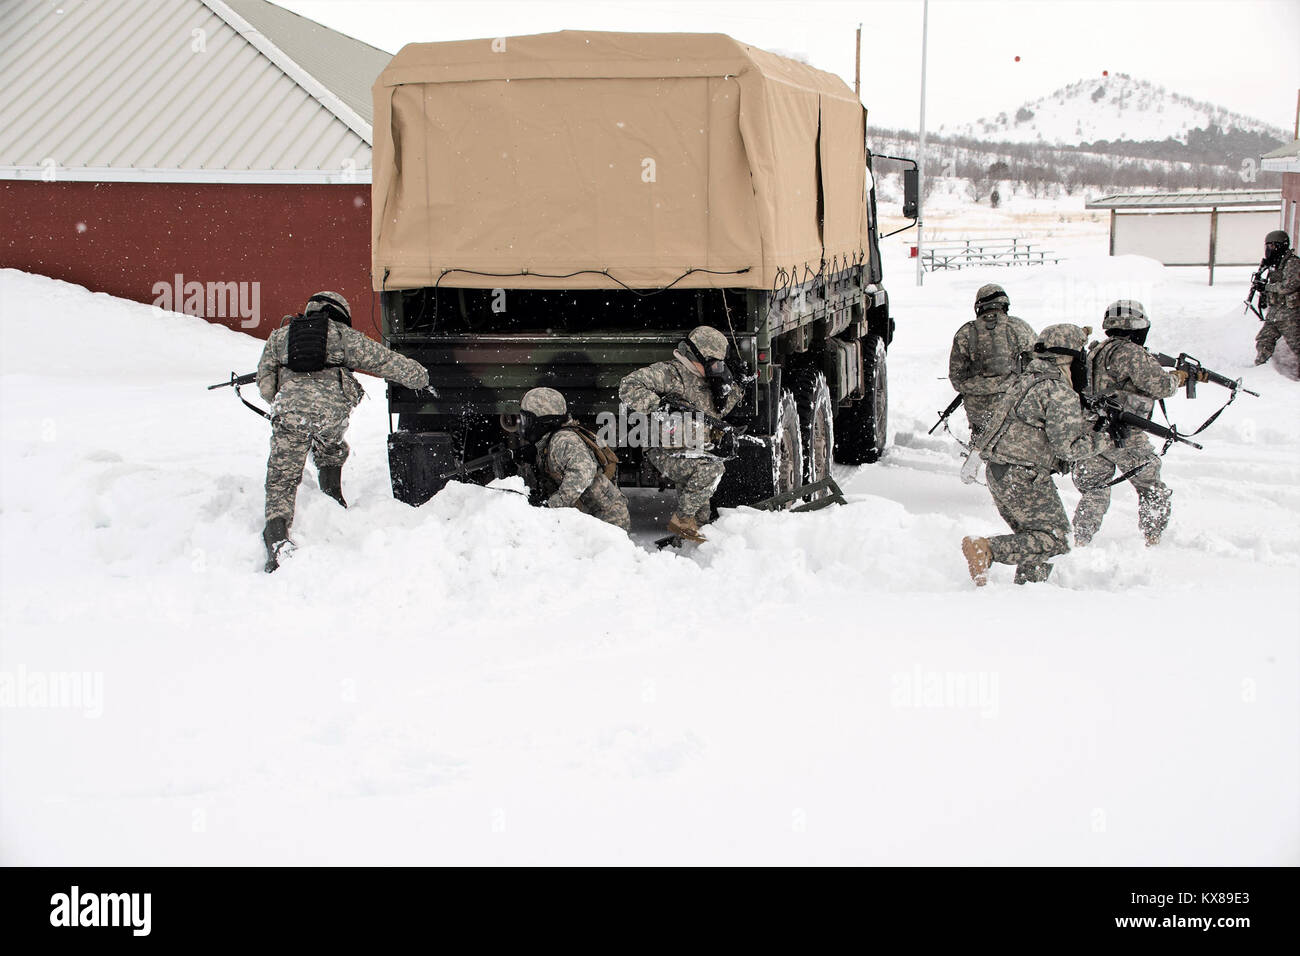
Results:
[476, 681]
[1114, 107]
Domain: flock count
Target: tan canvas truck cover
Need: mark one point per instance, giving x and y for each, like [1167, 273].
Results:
[565, 156]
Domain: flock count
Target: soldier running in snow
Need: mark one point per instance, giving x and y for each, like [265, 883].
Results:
[566, 463]
[1123, 367]
[1037, 423]
[305, 375]
[698, 379]
[982, 364]
[1280, 298]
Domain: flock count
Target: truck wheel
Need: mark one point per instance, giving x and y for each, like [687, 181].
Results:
[861, 429]
[816, 421]
[767, 466]
[787, 448]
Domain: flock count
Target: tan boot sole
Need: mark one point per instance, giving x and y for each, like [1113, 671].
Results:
[976, 563]
[684, 533]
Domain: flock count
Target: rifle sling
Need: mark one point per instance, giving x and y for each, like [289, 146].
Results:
[265, 414]
[1232, 397]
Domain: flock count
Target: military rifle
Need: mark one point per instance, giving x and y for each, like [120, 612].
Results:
[713, 421]
[1196, 372]
[238, 381]
[943, 415]
[1258, 282]
[725, 444]
[1116, 419]
[499, 458]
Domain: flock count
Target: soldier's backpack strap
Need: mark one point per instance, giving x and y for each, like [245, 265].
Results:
[605, 457]
[1000, 418]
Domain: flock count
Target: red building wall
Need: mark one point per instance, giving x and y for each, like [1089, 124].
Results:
[277, 243]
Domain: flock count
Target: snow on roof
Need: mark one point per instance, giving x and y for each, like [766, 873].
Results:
[181, 91]
[1229, 197]
[1284, 159]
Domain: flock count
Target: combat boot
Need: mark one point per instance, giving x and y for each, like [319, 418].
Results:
[330, 478]
[276, 537]
[685, 527]
[979, 557]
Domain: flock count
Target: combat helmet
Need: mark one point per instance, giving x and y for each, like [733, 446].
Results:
[541, 410]
[1125, 315]
[705, 343]
[1280, 240]
[543, 401]
[1063, 342]
[991, 296]
[332, 304]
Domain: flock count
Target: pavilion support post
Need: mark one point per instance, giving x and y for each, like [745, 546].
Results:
[1214, 238]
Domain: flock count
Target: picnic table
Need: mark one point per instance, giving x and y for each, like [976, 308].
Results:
[964, 253]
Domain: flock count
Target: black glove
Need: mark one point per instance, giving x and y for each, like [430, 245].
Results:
[536, 497]
[724, 446]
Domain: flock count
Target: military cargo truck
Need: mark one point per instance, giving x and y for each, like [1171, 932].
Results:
[562, 209]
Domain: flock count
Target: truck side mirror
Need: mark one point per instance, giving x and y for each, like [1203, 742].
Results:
[911, 192]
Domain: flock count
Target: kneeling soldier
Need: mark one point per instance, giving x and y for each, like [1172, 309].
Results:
[573, 468]
[697, 379]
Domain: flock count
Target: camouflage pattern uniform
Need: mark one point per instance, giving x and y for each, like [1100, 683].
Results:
[1037, 422]
[694, 473]
[1118, 365]
[982, 364]
[310, 409]
[578, 481]
[1282, 302]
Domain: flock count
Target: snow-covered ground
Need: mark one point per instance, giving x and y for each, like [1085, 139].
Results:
[475, 681]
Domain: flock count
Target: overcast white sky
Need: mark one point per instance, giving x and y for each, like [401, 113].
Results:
[1243, 55]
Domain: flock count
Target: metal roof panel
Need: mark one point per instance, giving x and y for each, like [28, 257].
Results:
[1183, 200]
[117, 84]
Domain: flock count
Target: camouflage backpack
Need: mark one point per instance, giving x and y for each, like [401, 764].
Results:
[1004, 413]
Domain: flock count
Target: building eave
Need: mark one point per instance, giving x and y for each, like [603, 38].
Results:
[57, 174]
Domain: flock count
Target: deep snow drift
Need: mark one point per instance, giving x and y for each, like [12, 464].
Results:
[475, 681]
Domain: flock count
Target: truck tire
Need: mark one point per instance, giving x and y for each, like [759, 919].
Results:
[816, 421]
[765, 465]
[862, 428]
[787, 448]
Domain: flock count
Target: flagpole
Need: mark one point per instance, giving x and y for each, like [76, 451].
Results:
[920, 157]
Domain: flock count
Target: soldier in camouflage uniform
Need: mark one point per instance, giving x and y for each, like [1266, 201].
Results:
[696, 378]
[305, 375]
[982, 364]
[1036, 424]
[565, 462]
[1123, 368]
[1281, 298]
